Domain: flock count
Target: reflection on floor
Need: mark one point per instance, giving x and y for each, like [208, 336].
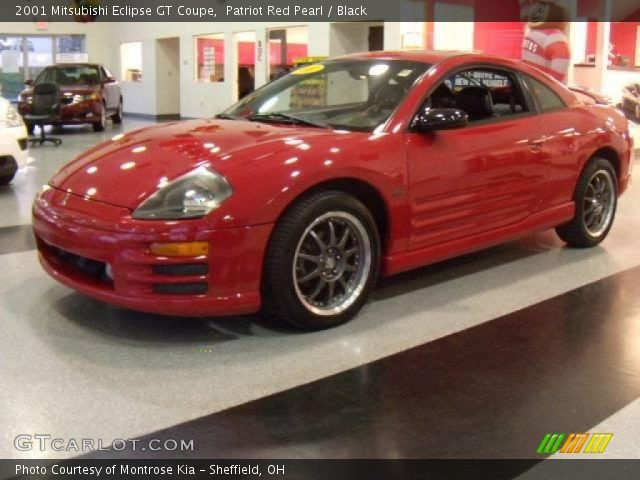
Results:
[75, 368]
[490, 391]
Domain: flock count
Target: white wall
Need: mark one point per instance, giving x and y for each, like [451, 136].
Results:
[197, 99]
[348, 38]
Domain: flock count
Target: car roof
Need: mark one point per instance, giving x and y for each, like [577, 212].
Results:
[74, 65]
[428, 56]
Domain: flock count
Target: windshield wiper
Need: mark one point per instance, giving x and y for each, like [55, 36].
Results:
[279, 117]
[227, 116]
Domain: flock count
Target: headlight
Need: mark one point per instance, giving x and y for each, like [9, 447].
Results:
[13, 118]
[83, 98]
[24, 98]
[190, 196]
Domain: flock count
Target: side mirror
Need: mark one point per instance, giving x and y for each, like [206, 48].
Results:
[109, 80]
[439, 119]
[28, 83]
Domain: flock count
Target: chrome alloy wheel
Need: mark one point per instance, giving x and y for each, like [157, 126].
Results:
[103, 117]
[599, 203]
[332, 263]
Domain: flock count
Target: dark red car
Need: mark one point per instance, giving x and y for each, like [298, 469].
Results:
[89, 94]
[298, 197]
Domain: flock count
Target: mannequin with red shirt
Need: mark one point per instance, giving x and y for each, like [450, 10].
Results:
[545, 43]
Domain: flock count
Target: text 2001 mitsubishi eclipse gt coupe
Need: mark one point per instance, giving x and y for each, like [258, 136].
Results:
[295, 199]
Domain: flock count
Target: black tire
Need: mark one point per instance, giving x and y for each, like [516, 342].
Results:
[117, 117]
[576, 233]
[6, 179]
[30, 128]
[281, 291]
[101, 124]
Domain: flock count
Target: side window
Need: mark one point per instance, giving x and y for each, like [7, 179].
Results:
[547, 99]
[481, 93]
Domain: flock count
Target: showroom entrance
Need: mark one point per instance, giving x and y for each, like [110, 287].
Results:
[168, 75]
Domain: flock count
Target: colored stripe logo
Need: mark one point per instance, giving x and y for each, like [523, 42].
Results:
[574, 443]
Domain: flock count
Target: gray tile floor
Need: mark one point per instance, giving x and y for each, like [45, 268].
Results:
[73, 367]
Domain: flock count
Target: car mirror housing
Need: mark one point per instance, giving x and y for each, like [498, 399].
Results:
[431, 119]
[110, 80]
[29, 82]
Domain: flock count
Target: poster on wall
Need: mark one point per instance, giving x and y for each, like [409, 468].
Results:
[208, 62]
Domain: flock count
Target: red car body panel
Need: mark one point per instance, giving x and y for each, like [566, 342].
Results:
[445, 193]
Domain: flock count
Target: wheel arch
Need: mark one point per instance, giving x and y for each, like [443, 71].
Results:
[608, 153]
[364, 191]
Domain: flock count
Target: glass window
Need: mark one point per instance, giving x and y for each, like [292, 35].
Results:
[209, 58]
[546, 98]
[70, 44]
[12, 72]
[351, 95]
[131, 61]
[481, 94]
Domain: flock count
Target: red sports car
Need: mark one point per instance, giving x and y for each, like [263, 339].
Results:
[297, 198]
[89, 94]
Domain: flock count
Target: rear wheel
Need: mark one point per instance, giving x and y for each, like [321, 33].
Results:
[30, 127]
[100, 125]
[322, 261]
[596, 198]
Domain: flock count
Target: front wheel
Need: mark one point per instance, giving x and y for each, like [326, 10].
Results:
[596, 198]
[100, 125]
[321, 262]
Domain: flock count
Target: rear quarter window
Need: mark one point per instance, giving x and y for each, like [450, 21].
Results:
[547, 98]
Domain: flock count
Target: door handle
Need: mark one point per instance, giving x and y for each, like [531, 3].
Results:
[536, 145]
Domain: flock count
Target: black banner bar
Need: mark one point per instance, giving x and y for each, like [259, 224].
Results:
[314, 10]
[581, 469]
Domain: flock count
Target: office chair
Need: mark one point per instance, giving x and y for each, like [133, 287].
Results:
[45, 108]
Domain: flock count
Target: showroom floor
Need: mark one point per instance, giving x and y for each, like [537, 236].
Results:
[476, 357]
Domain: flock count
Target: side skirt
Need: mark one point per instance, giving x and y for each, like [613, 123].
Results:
[537, 222]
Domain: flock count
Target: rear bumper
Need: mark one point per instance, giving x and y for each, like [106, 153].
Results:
[13, 143]
[227, 281]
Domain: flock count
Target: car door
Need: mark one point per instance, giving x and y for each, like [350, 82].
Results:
[481, 177]
[110, 89]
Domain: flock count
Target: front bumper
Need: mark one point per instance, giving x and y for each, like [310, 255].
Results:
[77, 238]
[83, 112]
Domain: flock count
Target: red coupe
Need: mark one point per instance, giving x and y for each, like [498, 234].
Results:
[297, 198]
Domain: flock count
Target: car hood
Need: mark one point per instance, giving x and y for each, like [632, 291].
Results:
[68, 89]
[129, 168]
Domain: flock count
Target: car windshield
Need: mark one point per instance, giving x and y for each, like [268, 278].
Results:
[71, 75]
[351, 95]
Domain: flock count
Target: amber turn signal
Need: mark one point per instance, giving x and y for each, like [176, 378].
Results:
[180, 249]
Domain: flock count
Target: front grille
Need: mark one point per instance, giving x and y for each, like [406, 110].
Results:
[87, 266]
[23, 143]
